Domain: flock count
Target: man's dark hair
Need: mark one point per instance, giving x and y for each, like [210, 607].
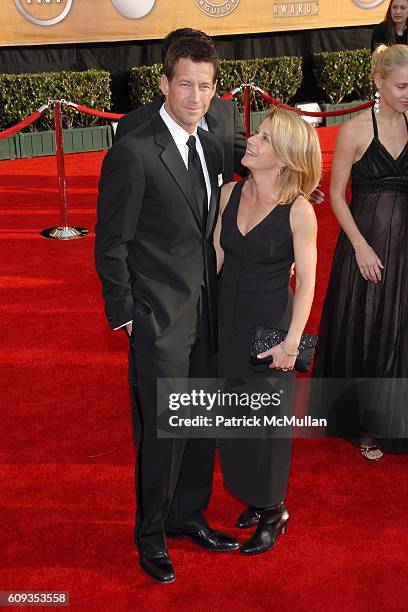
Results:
[195, 49]
[182, 33]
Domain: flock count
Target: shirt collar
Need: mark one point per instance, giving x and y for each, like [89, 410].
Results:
[179, 134]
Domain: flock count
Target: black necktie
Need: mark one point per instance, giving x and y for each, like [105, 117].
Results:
[197, 178]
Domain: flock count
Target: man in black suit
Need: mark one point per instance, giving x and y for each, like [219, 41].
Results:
[222, 118]
[155, 257]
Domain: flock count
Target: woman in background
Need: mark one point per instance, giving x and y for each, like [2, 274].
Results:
[364, 326]
[393, 30]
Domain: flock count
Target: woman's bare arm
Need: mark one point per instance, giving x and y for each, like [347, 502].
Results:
[225, 196]
[346, 151]
[304, 229]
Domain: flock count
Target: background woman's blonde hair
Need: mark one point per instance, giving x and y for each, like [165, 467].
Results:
[385, 59]
[296, 144]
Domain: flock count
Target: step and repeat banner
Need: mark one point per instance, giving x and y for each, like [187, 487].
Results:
[39, 22]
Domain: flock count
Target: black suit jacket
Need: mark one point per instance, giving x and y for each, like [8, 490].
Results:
[152, 252]
[223, 120]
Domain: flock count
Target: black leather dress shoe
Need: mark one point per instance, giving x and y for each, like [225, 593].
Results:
[249, 518]
[210, 539]
[157, 566]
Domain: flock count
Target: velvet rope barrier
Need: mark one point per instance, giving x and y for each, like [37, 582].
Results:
[227, 96]
[230, 94]
[116, 116]
[95, 112]
[24, 122]
[346, 111]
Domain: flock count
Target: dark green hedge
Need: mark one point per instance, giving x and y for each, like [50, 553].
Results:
[339, 73]
[22, 94]
[279, 76]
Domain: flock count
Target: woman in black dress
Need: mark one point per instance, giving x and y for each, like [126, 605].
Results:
[364, 327]
[393, 30]
[265, 224]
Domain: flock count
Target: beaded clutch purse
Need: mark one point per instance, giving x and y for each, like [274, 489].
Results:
[264, 338]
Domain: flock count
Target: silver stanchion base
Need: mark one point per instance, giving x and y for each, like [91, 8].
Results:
[64, 233]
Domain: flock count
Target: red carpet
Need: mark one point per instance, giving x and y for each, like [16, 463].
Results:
[66, 455]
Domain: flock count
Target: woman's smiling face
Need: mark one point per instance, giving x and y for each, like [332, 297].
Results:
[260, 154]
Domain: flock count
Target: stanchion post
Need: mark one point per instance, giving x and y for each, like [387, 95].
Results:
[62, 232]
[59, 151]
[247, 110]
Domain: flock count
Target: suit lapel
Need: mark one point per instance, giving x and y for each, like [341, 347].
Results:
[171, 157]
[211, 155]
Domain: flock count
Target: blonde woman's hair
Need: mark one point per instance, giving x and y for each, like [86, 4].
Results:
[385, 59]
[297, 146]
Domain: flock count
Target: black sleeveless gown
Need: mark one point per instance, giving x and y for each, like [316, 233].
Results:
[364, 326]
[254, 289]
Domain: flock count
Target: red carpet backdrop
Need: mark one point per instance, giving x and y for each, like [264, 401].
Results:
[66, 454]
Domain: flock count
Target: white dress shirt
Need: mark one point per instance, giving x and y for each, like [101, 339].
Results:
[180, 137]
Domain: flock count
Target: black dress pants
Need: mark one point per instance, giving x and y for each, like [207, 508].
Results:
[173, 475]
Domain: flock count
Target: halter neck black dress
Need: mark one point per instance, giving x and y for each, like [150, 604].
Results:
[364, 326]
[254, 289]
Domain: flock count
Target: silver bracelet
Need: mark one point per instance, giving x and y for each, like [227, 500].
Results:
[286, 352]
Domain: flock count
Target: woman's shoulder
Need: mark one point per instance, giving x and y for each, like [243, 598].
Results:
[356, 129]
[302, 206]
[358, 121]
[302, 211]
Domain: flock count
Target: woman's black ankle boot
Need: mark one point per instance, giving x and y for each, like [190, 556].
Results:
[272, 522]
